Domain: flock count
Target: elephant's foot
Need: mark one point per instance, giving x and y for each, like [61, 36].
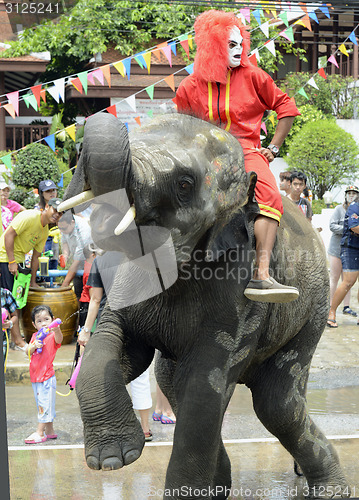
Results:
[333, 488]
[108, 450]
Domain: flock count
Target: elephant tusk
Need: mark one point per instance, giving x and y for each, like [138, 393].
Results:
[126, 221]
[76, 200]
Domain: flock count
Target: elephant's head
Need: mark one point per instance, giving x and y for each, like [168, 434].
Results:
[178, 173]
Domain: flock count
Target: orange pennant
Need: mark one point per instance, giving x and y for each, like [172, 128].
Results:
[106, 70]
[77, 84]
[10, 109]
[185, 45]
[138, 120]
[157, 54]
[43, 95]
[306, 22]
[321, 72]
[112, 110]
[36, 90]
[171, 82]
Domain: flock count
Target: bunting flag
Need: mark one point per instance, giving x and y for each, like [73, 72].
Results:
[7, 159]
[14, 101]
[71, 130]
[284, 18]
[90, 78]
[150, 91]
[271, 119]
[106, 70]
[270, 46]
[131, 101]
[43, 95]
[53, 91]
[325, 10]
[120, 68]
[246, 13]
[168, 53]
[265, 28]
[321, 72]
[257, 15]
[343, 49]
[353, 38]
[253, 59]
[83, 77]
[333, 60]
[313, 16]
[10, 109]
[173, 47]
[112, 109]
[170, 82]
[138, 120]
[77, 84]
[126, 125]
[264, 128]
[312, 83]
[256, 53]
[288, 34]
[147, 58]
[156, 53]
[31, 99]
[60, 87]
[127, 64]
[303, 93]
[50, 140]
[61, 181]
[140, 60]
[303, 7]
[189, 69]
[150, 113]
[36, 90]
[190, 41]
[185, 45]
[98, 75]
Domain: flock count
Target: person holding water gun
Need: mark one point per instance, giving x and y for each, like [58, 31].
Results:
[42, 349]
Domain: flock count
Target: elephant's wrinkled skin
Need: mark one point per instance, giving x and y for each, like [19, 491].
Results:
[186, 175]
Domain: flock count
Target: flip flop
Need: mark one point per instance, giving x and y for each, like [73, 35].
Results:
[156, 416]
[148, 436]
[332, 323]
[51, 436]
[167, 420]
[35, 438]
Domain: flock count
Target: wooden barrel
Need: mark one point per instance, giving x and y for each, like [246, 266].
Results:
[63, 303]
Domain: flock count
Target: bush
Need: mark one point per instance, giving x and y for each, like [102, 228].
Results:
[34, 164]
[26, 198]
[326, 154]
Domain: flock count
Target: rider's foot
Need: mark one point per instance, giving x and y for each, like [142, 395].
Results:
[269, 290]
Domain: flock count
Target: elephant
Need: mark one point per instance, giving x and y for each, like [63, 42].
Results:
[185, 177]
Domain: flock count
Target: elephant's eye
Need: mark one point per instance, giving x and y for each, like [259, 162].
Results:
[185, 188]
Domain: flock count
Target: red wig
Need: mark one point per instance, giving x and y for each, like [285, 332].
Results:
[212, 30]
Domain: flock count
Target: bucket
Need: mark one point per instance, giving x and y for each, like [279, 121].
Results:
[63, 303]
[43, 265]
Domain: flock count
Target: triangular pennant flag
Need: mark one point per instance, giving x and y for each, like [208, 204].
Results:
[333, 60]
[139, 61]
[288, 34]
[302, 6]
[150, 113]
[106, 70]
[313, 16]
[156, 53]
[270, 46]
[7, 158]
[284, 18]
[303, 93]
[253, 59]
[53, 91]
[167, 52]
[313, 84]
[256, 53]
[264, 128]
[246, 13]
[127, 64]
[71, 130]
[321, 72]
[10, 109]
[170, 82]
[293, 100]
[43, 95]
[163, 106]
[190, 41]
[189, 69]
[325, 10]
[112, 110]
[31, 99]
[352, 38]
[307, 23]
[50, 140]
[60, 87]
[61, 181]
[126, 125]
[76, 82]
[343, 49]
[150, 91]
[147, 58]
[120, 68]
[138, 120]
[26, 99]
[271, 119]
[14, 101]
[90, 77]
[274, 13]
[173, 47]
[265, 28]
[131, 101]
[257, 15]
[83, 79]
[184, 44]
[98, 75]
[36, 91]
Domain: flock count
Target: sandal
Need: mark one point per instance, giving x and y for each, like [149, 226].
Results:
[148, 436]
[347, 310]
[35, 438]
[167, 420]
[332, 323]
[156, 416]
[51, 436]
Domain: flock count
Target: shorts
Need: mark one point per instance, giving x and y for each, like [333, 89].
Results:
[266, 191]
[141, 391]
[350, 259]
[45, 393]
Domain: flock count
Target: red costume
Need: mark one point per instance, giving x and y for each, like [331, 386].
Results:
[234, 99]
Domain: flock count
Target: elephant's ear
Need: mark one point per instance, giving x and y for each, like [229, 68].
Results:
[234, 233]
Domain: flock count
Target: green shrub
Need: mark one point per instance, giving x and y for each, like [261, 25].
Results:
[23, 196]
[34, 164]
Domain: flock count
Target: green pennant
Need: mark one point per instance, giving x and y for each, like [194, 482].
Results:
[150, 113]
[289, 33]
[83, 79]
[284, 18]
[137, 59]
[303, 93]
[150, 91]
[182, 38]
[31, 99]
[7, 161]
[26, 101]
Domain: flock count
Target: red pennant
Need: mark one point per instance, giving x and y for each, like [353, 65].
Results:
[185, 45]
[76, 82]
[321, 72]
[253, 59]
[112, 110]
[36, 90]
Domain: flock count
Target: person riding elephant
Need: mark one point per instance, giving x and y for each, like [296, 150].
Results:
[226, 89]
[175, 199]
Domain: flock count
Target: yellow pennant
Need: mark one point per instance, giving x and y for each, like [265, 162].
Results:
[120, 68]
[71, 130]
[271, 119]
[343, 49]
[147, 58]
[190, 41]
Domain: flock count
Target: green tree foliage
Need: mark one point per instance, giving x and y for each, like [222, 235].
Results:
[34, 164]
[26, 198]
[325, 153]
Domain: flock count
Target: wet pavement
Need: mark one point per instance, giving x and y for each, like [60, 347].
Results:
[261, 468]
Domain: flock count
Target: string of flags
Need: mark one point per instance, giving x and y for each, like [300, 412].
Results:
[102, 74]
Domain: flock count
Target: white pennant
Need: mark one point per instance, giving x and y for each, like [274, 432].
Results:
[270, 46]
[60, 87]
[131, 101]
[265, 28]
[54, 93]
[313, 84]
[163, 106]
[256, 52]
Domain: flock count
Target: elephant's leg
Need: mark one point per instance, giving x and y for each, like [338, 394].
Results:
[203, 389]
[278, 390]
[113, 435]
[164, 371]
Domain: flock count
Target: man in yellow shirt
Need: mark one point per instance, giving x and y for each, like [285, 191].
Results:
[28, 231]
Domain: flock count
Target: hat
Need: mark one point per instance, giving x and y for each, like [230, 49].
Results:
[47, 185]
[352, 188]
[54, 202]
[3, 185]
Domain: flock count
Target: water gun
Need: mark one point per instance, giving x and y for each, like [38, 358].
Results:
[45, 330]
[72, 381]
[55, 233]
[4, 316]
